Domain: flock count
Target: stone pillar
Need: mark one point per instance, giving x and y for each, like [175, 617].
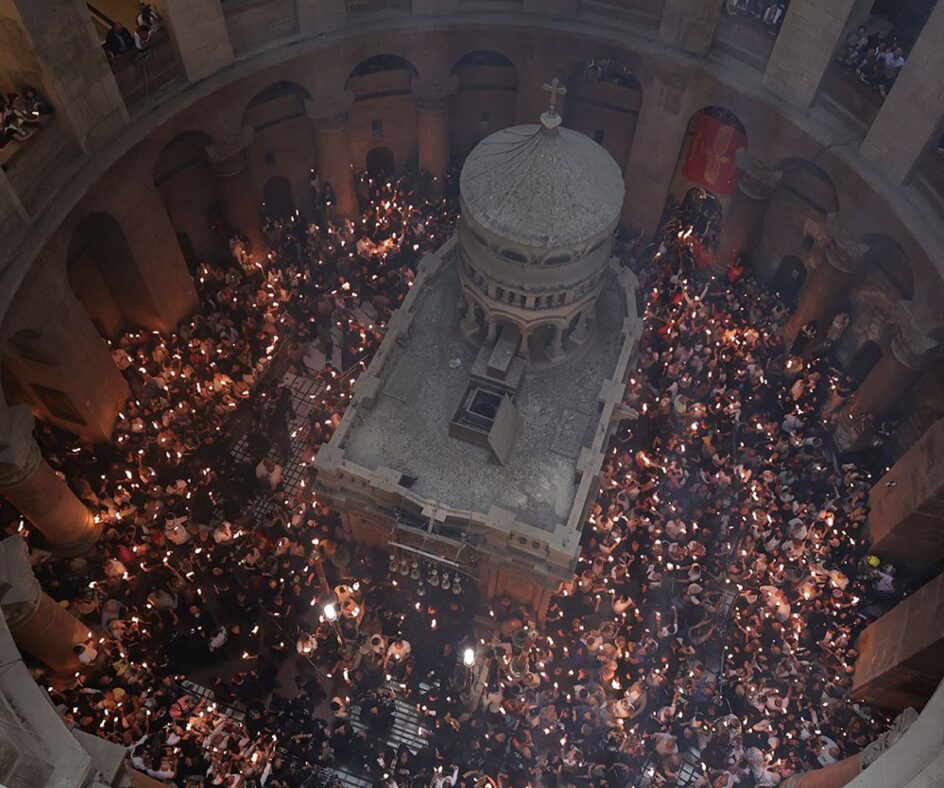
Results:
[805, 47]
[75, 70]
[834, 261]
[901, 655]
[432, 114]
[27, 481]
[38, 623]
[316, 17]
[198, 30]
[242, 210]
[690, 24]
[470, 325]
[745, 214]
[660, 133]
[894, 146]
[902, 363]
[332, 151]
[555, 350]
[906, 506]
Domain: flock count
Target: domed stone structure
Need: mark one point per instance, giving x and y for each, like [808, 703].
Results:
[540, 204]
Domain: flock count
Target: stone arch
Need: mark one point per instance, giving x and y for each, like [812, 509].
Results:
[105, 277]
[282, 141]
[706, 158]
[890, 262]
[789, 278]
[604, 99]
[277, 198]
[184, 177]
[384, 110]
[864, 360]
[488, 95]
[805, 192]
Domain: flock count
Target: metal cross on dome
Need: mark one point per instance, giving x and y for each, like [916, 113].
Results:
[556, 90]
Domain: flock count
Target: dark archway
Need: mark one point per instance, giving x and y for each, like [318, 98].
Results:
[380, 63]
[184, 177]
[702, 211]
[789, 278]
[105, 277]
[380, 162]
[488, 84]
[604, 99]
[888, 259]
[277, 199]
[864, 360]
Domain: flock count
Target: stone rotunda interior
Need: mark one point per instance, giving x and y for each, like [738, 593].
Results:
[472, 393]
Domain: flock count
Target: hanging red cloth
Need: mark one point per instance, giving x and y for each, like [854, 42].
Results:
[710, 160]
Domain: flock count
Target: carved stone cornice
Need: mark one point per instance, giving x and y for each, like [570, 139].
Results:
[19, 452]
[19, 589]
[757, 180]
[230, 156]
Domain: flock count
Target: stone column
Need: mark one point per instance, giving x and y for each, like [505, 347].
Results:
[316, 17]
[834, 260]
[27, 481]
[902, 363]
[38, 623]
[555, 351]
[894, 146]
[433, 132]
[198, 30]
[901, 655]
[663, 120]
[906, 506]
[73, 67]
[745, 214]
[690, 24]
[242, 210]
[331, 149]
[804, 49]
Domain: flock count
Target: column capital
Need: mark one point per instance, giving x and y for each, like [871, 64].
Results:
[19, 589]
[329, 113]
[434, 95]
[757, 180]
[19, 452]
[229, 156]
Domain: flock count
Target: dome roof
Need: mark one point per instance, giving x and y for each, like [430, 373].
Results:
[542, 185]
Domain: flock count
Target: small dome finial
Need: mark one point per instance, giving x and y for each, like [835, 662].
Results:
[551, 118]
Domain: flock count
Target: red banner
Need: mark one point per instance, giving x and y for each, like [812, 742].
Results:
[710, 160]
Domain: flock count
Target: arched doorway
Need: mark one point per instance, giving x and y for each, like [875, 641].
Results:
[603, 101]
[105, 277]
[488, 84]
[789, 278]
[184, 177]
[384, 111]
[380, 162]
[864, 360]
[277, 199]
[701, 210]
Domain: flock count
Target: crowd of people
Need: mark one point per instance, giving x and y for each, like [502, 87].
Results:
[769, 12]
[119, 40]
[876, 57]
[707, 637]
[21, 114]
